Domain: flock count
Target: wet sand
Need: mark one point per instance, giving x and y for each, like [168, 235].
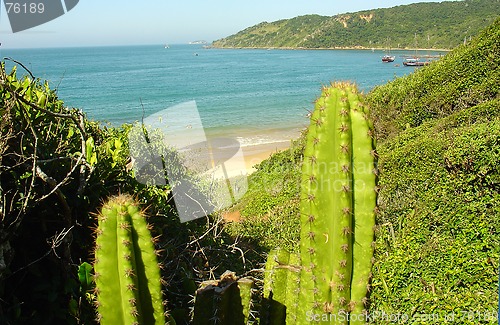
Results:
[240, 150]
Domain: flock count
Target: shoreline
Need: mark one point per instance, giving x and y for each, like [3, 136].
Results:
[255, 154]
[242, 149]
[362, 48]
[226, 156]
[243, 163]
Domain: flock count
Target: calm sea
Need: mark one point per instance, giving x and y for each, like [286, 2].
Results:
[259, 95]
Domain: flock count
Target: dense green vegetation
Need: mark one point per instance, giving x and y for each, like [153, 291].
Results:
[440, 179]
[56, 170]
[434, 24]
[270, 206]
[466, 77]
[438, 221]
[438, 233]
[439, 226]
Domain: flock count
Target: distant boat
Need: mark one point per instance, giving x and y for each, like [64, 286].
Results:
[166, 46]
[414, 62]
[388, 58]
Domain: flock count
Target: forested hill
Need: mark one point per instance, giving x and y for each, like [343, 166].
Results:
[436, 25]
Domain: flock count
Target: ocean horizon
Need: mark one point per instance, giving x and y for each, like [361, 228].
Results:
[254, 95]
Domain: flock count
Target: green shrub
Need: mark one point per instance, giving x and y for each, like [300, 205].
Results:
[56, 168]
[439, 224]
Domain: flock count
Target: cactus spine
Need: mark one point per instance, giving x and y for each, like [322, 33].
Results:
[126, 270]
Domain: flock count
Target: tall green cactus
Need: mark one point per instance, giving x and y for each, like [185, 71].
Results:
[329, 281]
[127, 275]
[365, 204]
[338, 201]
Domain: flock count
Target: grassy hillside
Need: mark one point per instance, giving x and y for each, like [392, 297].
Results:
[434, 24]
[439, 224]
[438, 233]
[440, 180]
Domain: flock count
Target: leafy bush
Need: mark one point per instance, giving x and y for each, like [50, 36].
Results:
[439, 221]
[438, 237]
[47, 156]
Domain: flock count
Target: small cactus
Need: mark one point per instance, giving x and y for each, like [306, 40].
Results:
[227, 301]
[281, 288]
[126, 270]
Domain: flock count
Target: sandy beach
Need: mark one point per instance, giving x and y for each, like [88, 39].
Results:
[239, 150]
[259, 152]
[243, 161]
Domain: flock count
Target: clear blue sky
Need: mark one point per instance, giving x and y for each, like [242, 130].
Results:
[114, 22]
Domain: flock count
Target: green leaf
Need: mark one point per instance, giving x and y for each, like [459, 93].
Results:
[93, 159]
[118, 144]
[89, 146]
[71, 132]
[85, 276]
[73, 307]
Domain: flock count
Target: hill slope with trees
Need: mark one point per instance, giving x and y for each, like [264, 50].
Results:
[424, 25]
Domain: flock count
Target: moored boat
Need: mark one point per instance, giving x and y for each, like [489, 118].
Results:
[388, 58]
[414, 62]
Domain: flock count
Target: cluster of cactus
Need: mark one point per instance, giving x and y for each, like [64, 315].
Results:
[329, 280]
[126, 271]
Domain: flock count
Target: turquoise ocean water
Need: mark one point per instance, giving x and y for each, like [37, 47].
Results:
[257, 95]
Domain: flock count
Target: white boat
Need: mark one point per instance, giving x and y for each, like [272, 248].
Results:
[388, 58]
[414, 62]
